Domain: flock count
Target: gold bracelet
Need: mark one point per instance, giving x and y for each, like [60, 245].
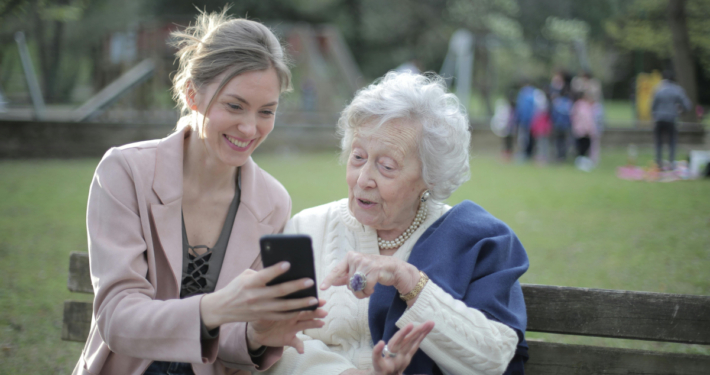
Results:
[423, 279]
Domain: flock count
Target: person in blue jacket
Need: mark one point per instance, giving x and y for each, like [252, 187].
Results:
[669, 100]
[524, 112]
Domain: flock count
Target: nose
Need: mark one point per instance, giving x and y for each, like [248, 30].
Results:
[247, 125]
[366, 178]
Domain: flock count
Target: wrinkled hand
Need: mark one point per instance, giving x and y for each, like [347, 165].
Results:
[386, 270]
[248, 299]
[405, 344]
[283, 332]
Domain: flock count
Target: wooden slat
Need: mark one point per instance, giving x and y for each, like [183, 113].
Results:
[77, 320]
[618, 314]
[563, 359]
[79, 275]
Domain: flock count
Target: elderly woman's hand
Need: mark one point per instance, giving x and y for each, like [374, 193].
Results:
[400, 349]
[385, 270]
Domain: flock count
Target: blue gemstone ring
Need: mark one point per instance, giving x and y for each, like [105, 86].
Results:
[358, 282]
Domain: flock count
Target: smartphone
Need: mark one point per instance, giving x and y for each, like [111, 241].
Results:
[297, 250]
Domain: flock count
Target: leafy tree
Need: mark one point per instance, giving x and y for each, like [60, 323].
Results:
[674, 29]
[47, 20]
[384, 34]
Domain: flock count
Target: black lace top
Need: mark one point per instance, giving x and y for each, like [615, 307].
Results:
[201, 265]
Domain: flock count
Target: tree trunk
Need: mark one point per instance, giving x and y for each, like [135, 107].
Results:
[482, 77]
[683, 62]
[48, 35]
[55, 50]
[355, 9]
[41, 48]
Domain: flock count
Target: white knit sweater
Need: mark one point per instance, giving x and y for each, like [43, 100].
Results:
[463, 340]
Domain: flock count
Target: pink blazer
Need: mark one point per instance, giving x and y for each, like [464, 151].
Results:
[135, 252]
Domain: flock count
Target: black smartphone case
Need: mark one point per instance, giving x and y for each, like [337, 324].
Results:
[297, 250]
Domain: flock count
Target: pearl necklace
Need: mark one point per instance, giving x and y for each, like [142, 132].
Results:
[397, 242]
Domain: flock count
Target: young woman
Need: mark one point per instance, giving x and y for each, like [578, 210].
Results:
[174, 223]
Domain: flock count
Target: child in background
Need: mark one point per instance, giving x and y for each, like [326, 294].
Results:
[524, 113]
[503, 123]
[584, 129]
[561, 122]
[540, 128]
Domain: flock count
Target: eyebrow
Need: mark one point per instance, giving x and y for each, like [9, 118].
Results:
[247, 103]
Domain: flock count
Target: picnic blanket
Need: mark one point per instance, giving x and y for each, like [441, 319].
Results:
[654, 174]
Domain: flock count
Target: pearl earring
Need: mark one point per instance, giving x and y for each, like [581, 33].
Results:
[425, 196]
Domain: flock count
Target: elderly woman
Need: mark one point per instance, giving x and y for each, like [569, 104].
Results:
[392, 256]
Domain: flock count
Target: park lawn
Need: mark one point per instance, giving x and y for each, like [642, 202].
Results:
[42, 220]
[580, 229]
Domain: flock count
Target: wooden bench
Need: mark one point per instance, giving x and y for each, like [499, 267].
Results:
[572, 311]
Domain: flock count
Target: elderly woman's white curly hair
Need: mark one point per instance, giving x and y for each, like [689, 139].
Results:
[418, 99]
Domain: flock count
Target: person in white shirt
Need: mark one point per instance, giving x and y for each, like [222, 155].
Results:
[412, 285]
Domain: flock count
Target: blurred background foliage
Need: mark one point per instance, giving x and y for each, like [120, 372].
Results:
[514, 38]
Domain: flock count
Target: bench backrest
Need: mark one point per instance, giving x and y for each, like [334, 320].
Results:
[553, 309]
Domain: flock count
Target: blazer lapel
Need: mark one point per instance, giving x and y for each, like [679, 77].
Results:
[167, 184]
[249, 225]
[243, 247]
[168, 228]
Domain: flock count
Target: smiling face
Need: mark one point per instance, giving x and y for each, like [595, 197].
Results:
[241, 115]
[384, 177]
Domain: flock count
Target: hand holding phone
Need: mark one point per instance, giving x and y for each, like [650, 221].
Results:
[297, 250]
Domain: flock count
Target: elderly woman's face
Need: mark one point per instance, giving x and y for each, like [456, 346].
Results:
[384, 176]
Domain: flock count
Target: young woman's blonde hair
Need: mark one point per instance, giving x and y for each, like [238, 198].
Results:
[218, 43]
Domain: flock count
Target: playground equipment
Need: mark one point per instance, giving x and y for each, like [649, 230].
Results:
[32, 84]
[325, 75]
[458, 64]
[109, 94]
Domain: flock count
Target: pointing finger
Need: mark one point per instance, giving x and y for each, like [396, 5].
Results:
[337, 276]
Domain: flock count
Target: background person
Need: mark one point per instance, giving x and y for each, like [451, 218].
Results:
[407, 258]
[668, 100]
[541, 127]
[587, 86]
[524, 114]
[503, 123]
[174, 224]
[584, 129]
[562, 123]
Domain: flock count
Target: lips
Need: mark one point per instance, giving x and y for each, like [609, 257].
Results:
[364, 203]
[237, 143]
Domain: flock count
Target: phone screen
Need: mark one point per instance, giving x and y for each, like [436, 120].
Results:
[297, 250]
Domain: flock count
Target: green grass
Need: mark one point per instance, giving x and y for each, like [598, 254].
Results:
[42, 220]
[580, 229]
[619, 112]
